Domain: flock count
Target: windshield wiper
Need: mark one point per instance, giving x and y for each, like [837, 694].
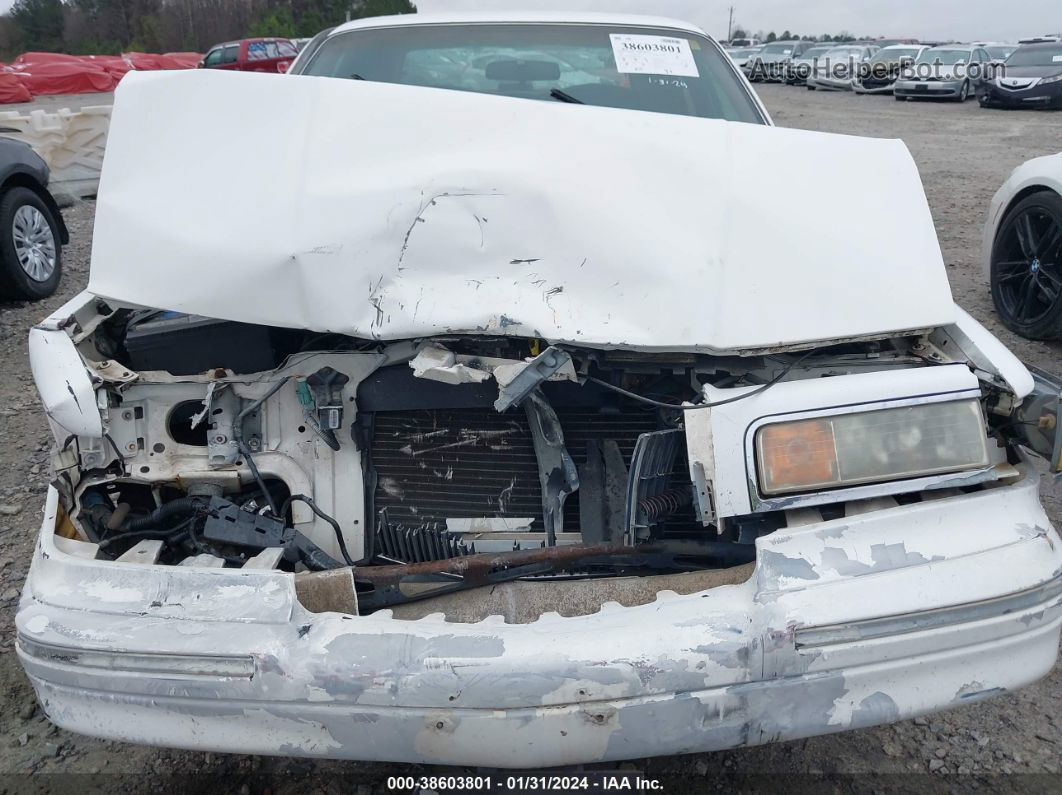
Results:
[563, 96]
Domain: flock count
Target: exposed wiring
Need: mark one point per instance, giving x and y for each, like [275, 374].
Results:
[661, 404]
[241, 445]
[117, 452]
[335, 525]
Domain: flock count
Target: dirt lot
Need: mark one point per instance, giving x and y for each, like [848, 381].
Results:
[964, 154]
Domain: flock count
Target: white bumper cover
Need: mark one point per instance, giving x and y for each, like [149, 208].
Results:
[846, 623]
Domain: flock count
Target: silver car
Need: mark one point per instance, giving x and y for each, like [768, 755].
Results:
[838, 68]
[950, 72]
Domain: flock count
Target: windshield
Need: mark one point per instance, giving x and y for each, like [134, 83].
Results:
[1001, 52]
[743, 52]
[888, 56]
[1037, 56]
[815, 52]
[944, 57]
[777, 49]
[665, 71]
[844, 53]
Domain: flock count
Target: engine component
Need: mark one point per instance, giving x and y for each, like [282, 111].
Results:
[321, 395]
[402, 543]
[188, 344]
[226, 523]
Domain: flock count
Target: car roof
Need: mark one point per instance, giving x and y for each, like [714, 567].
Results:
[519, 17]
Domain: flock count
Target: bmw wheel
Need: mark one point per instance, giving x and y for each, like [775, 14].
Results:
[1026, 271]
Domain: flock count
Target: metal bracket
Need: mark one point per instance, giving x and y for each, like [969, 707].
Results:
[556, 469]
[531, 377]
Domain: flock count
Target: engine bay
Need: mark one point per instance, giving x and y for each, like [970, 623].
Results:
[432, 466]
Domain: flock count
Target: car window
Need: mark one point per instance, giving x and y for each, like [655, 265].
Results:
[944, 57]
[637, 68]
[229, 54]
[213, 58]
[1037, 55]
[286, 49]
[259, 50]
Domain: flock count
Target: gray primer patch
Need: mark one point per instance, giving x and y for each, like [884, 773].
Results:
[875, 709]
[831, 533]
[884, 557]
[778, 565]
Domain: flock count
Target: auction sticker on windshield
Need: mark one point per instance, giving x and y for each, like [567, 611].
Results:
[653, 55]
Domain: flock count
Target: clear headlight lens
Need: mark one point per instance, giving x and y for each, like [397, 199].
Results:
[871, 446]
[1054, 79]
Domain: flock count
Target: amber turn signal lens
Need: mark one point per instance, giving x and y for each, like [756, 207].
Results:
[797, 455]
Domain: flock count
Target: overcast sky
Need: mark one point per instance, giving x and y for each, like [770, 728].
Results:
[988, 20]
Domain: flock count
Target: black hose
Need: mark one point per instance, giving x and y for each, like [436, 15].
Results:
[162, 514]
[335, 525]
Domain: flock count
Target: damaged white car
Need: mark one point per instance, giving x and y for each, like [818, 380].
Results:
[500, 431]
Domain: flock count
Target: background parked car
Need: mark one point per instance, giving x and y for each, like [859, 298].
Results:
[999, 52]
[741, 56]
[945, 74]
[1022, 249]
[771, 63]
[32, 232]
[800, 68]
[251, 55]
[1033, 79]
[884, 68]
[839, 66]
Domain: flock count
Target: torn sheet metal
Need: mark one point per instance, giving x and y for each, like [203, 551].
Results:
[436, 363]
[596, 226]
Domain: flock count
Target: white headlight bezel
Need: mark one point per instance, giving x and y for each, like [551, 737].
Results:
[843, 493]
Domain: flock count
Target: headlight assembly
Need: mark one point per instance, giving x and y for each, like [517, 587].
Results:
[871, 446]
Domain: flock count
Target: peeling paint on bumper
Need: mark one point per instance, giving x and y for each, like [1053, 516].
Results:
[711, 670]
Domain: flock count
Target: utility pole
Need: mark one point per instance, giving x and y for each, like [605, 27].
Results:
[730, 25]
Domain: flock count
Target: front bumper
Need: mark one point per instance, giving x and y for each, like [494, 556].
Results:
[847, 623]
[873, 87]
[1039, 96]
[927, 88]
[829, 83]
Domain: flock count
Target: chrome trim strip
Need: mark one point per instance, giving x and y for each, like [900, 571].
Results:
[929, 619]
[184, 665]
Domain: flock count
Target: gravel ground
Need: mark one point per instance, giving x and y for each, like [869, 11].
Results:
[1011, 743]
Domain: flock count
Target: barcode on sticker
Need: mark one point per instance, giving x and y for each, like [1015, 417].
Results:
[653, 55]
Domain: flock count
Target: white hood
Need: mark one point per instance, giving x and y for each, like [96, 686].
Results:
[393, 212]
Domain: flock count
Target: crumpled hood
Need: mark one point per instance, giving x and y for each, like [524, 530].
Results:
[391, 212]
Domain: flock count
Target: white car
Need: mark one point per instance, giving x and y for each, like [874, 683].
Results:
[1022, 249]
[516, 425]
[838, 68]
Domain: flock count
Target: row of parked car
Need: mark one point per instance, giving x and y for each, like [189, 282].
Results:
[1025, 75]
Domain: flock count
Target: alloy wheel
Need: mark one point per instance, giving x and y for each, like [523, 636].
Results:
[34, 243]
[1029, 267]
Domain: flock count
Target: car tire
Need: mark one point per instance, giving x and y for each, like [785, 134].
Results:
[810, 88]
[1026, 267]
[31, 252]
[964, 92]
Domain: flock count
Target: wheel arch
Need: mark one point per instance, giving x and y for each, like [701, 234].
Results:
[21, 179]
[1021, 195]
